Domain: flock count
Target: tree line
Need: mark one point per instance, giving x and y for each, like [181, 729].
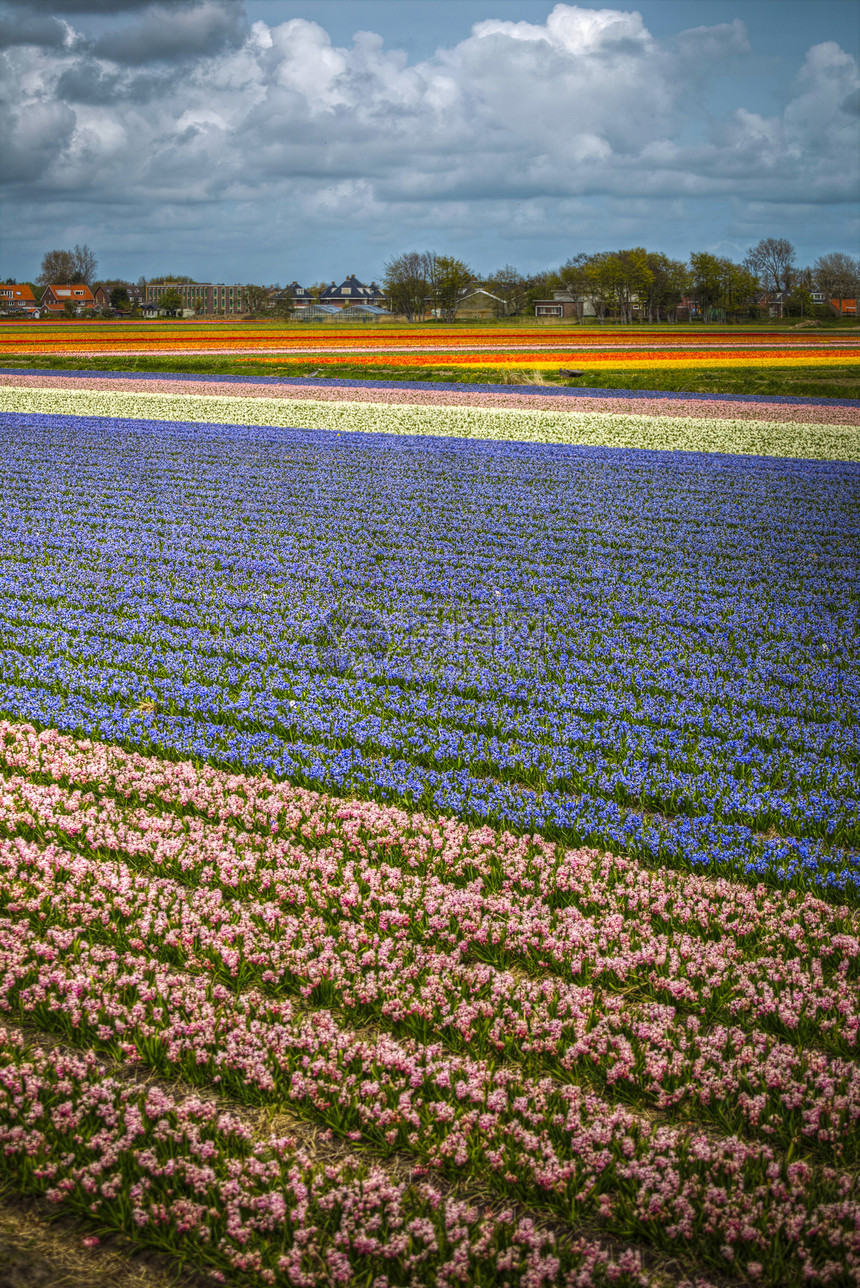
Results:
[613, 283]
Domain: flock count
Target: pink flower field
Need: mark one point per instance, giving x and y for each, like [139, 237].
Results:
[301, 1039]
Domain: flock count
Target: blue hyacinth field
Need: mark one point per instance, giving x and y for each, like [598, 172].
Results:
[650, 652]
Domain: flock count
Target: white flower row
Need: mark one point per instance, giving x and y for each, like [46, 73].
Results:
[588, 429]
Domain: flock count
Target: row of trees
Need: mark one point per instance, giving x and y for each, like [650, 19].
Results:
[413, 280]
[616, 282]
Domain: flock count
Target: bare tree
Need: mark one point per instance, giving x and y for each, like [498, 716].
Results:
[85, 264]
[78, 265]
[838, 275]
[511, 288]
[772, 261]
[406, 281]
[573, 279]
[57, 266]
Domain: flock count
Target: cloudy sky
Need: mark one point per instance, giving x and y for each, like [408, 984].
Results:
[267, 140]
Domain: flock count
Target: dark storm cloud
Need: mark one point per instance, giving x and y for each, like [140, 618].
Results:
[106, 7]
[21, 27]
[173, 33]
[86, 82]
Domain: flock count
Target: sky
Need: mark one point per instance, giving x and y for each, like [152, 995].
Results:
[277, 140]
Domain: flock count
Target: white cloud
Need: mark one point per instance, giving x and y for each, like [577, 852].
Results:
[524, 124]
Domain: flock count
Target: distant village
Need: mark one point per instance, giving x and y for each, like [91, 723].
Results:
[575, 292]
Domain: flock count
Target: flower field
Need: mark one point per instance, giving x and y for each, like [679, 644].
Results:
[422, 347]
[432, 817]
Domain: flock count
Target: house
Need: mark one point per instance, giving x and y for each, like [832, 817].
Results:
[775, 302]
[56, 298]
[478, 303]
[17, 297]
[565, 305]
[101, 298]
[153, 309]
[301, 296]
[352, 291]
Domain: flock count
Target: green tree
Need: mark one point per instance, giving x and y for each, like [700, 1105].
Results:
[119, 298]
[603, 274]
[800, 302]
[740, 289]
[670, 282]
[256, 297]
[449, 279]
[720, 285]
[707, 275]
[171, 301]
[633, 280]
[284, 304]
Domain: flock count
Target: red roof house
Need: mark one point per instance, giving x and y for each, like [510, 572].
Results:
[56, 298]
[15, 296]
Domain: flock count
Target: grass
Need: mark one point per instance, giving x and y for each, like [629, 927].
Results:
[825, 381]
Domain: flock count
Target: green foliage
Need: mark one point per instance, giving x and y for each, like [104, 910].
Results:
[620, 279]
[171, 300]
[256, 298]
[718, 284]
[450, 278]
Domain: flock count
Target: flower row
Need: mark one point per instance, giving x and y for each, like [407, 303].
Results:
[534, 399]
[660, 433]
[643, 360]
[535, 1141]
[183, 1176]
[386, 914]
